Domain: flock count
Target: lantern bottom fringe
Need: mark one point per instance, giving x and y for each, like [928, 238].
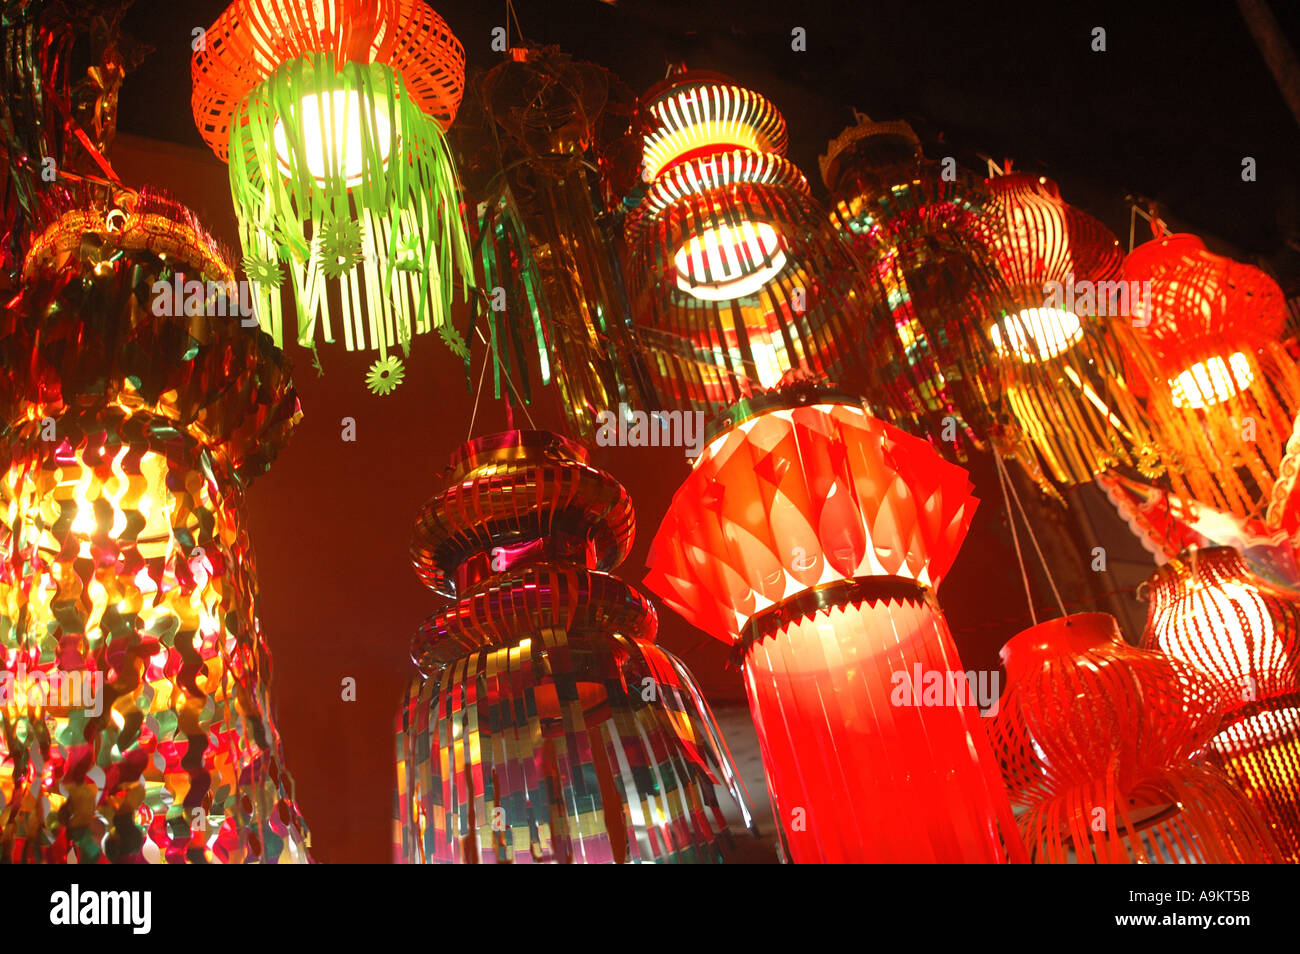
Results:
[1189, 815]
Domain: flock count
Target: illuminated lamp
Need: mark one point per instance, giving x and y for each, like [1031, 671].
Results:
[1067, 354]
[545, 725]
[1099, 742]
[1209, 610]
[331, 117]
[810, 536]
[735, 276]
[131, 428]
[1213, 326]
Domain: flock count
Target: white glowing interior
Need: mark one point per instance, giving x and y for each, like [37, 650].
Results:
[1236, 612]
[1212, 382]
[729, 262]
[334, 134]
[1037, 334]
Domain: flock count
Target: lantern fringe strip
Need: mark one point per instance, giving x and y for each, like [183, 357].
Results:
[391, 234]
[1229, 455]
[1100, 824]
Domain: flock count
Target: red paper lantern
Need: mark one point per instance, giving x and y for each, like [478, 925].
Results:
[810, 534]
[1213, 328]
[1097, 740]
[1209, 610]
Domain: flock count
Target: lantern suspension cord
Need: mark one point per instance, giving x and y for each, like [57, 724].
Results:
[1015, 537]
[506, 374]
[512, 16]
[478, 393]
[1005, 480]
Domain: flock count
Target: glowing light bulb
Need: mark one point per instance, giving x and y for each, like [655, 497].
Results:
[332, 136]
[725, 262]
[1037, 334]
[1212, 382]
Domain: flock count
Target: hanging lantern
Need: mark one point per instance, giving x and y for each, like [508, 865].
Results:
[135, 713]
[542, 239]
[1097, 740]
[1209, 610]
[1213, 327]
[331, 116]
[546, 726]
[735, 275]
[811, 536]
[913, 223]
[1066, 350]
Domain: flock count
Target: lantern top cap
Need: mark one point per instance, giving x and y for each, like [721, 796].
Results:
[863, 129]
[782, 398]
[510, 445]
[254, 38]
[144, 221]
[1071, 634]
[692, 114]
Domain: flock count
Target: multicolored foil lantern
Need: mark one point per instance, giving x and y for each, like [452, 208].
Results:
[913, 224]
[563, 310]
[1066, 352]
[1098, 741]
[331, 116]
[1213, 326]
[545, 725]
[136, 723]
[735, 275]
[811, 535]
[1209, 610]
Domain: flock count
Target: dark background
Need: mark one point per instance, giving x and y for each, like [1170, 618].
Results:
[1168, 111]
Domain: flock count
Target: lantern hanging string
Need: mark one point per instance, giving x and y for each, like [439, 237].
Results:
[1004, 480]
[478, 391]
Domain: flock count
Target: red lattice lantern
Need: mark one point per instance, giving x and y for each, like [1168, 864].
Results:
[1098, 741]
[1209, 610]
[1213, 327]
[810, 535]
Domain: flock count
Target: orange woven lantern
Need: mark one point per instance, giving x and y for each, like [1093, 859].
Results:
[1209, 610]
[331, 116]
[1097, 739]
[1068, 359]
[1213, 328]
[735, 275]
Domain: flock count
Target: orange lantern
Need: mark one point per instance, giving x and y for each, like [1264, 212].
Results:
[735, 275]
[1213, 328]
[810, 535]
[1066, 352]
[1209, 610]
[1097, 740]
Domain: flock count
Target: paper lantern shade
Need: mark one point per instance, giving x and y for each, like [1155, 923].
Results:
[809, 534]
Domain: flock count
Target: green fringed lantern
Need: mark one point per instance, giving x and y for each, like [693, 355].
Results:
[331, 117]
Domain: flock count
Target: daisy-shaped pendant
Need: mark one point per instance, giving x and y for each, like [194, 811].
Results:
[385, 375]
